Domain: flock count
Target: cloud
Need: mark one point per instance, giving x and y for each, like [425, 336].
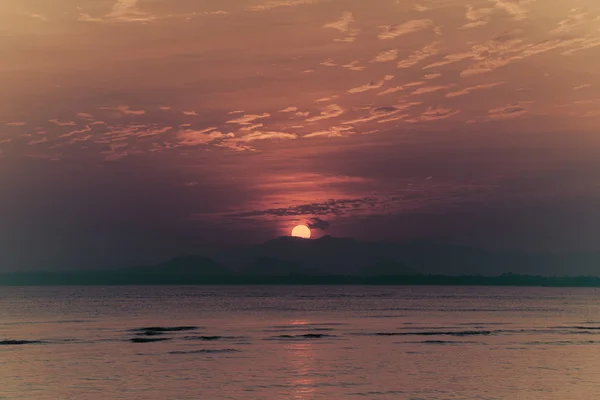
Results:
[429, 89]
[124, 109]
[381, 112]
[270, 5]
[128, 11]
[249, 128]
[418, 56]
[122, 11]
[153, 131]
[353, 66]
[432, 76]
[391, 90]
[76, 132]
[434, 114]
[251, 137]
[504, 50]
[330, 111]
[385, 56]
[66, 123]
[190, 113]
[84, 115]
[584, 86]
[516, 8]
[18, 123]
[289, 109]
[165, 108]
[334, 131]
[393, 119]
[507, 112]
[318, 223]
[38, 141]
[470, 89]
[248, 119]
[332, 207]
[38, 16]
[421, 8]
[190, 137]
[393, 31]
[343, 24]
[575, 19]
[477, 17]
[329, 62]
[368, 86]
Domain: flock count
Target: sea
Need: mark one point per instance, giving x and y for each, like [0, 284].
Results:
[299, 342]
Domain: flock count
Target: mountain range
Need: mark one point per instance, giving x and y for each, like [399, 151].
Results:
[327, 257]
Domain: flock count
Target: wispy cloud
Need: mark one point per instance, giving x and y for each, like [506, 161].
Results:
[248, 119]
[272, 135]
[270, 5]
[343, 25]
[385, 56]
[382, 113]
[192, 137]
[470, 89]
[38, 16]
[329, 207]
[575, 19]
[329, 62]
[330, 111]
[418, 56]
[368, 86]
[334, 131]
[61, 123]
[391, 90]
[353, 66]
[17, 123]
[393, 31]
[434, 114]
[516, 8]
[429, 89]
[76, 132]
[124, 110]
[507, 112]
[477, 17]
[584, 86]
[122, 11]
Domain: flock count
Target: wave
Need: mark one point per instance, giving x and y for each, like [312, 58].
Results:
[213, 338]
[304, 336]
[158, 330]
[206, 351]
[19, 342]
[433, 333]
[147, 340]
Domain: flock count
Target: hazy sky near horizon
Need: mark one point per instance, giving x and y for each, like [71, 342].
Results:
[136, 130]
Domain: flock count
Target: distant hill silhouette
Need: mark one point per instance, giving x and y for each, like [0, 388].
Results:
[347, 256]
[188, 264]
[277, 267]
[329, 260]
[388, 268]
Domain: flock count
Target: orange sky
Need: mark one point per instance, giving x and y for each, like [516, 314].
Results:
[257, 115]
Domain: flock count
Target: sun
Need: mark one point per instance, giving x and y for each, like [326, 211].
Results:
[301, 231]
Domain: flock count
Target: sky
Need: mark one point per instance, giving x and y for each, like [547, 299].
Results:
[132, 131]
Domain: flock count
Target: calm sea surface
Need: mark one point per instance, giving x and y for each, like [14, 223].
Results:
[299, 343]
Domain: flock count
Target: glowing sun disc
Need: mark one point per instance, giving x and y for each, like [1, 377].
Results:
[301, 231]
